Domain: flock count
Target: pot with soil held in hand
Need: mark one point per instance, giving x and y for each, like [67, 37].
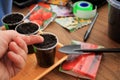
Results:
[28, 28]
[11, 20]
[45, 51]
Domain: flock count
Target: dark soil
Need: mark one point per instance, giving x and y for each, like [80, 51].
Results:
[13, 18]
[49, 41]
[27, 28]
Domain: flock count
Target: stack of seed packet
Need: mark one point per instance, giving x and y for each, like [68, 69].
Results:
[83, 66]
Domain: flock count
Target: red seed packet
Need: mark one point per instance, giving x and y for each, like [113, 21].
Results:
[42, 16]
[83, 66]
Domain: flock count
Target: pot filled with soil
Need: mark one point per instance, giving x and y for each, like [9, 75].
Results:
[28, 28]
[45, 51]
[11, 20]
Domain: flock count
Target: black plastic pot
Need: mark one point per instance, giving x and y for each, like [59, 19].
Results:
[12, 20]
[28, 28]
[114, 20]
[45, 52]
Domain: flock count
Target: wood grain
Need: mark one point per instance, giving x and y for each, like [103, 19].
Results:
[32, 71]
[110, 65]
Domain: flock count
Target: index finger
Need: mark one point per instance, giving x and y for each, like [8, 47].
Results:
[32, 39]
[11, 34]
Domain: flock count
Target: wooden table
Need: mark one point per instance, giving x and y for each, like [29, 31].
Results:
[110, 65]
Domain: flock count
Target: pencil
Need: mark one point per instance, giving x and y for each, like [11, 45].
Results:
[90, 28]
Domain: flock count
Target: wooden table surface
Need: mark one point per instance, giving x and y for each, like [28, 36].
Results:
[110, 65]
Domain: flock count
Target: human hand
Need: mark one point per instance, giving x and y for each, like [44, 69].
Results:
[13, 52]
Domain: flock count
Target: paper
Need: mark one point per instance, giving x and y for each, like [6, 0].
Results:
[61, 11]
[82, 66]
[56, 2]
[72, 23]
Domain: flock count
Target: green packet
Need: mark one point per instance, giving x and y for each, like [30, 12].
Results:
[72, 23]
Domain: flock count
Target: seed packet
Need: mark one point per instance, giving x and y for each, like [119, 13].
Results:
[82, 66]
[57, 2]
[61, 11]
[41, 16]
[42, 4]
[72, 23]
